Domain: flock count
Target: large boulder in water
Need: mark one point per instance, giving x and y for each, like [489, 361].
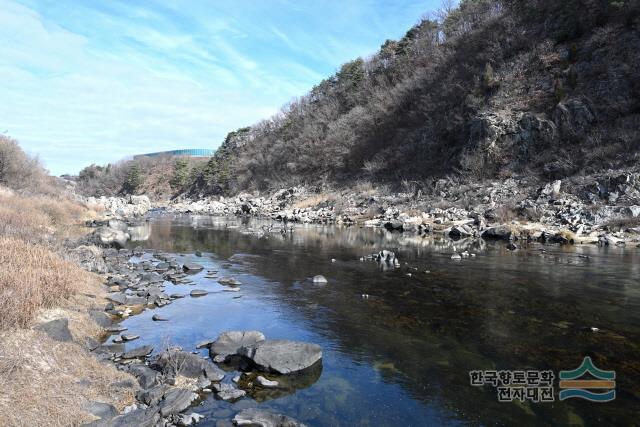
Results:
[261, 418]
[230, 343]
[500, 232]
[283, 356]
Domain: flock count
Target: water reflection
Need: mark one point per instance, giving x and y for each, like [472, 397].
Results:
[402, 355]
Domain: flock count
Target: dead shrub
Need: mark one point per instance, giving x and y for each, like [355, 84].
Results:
[32, 277]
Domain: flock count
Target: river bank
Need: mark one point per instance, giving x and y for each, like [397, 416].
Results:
[601, 209]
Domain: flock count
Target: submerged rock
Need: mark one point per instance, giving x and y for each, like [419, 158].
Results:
[283, 356]
[261, 418]
[266, 383]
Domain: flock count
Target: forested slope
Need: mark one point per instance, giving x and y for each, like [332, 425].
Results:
[492, 89]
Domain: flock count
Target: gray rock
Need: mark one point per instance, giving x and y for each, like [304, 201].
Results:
[129, 337]
[192, 266]
[228, 392]
[460, 232]
[175, 362]
[255, 417]
[118, 298]
[229, 281]
[189, 419]
[140, 417]
[57, 329]
[104, 411]
[266, 383]
[101, 318]
[139, 352]
[153, 395]
[109, 349]
[176, 400]
[198, 293]
[632, 211]
[158, 318]
[283, 356]
[320, 279]
[500, 232]
[146, 376]
[231, 342]
[90, 258]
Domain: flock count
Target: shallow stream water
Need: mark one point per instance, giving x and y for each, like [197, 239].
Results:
[399, 343]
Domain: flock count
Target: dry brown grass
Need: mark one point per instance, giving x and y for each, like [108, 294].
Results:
[314, 200]
[47, 383]
[32, 277]
[40, 219]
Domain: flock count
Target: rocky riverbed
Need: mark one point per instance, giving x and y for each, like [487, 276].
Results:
[173, 379]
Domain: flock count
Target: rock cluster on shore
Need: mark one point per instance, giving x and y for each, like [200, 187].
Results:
[587, 210]
[173, 380]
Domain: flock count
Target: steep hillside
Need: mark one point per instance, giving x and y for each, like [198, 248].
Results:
[492, 89]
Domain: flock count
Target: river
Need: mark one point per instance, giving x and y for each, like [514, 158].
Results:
[399, 343]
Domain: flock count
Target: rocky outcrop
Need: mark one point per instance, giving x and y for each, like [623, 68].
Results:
[123, 207]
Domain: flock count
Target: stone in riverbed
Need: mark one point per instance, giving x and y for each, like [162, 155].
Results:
[260, 418]
[319, 279]
[283, 356]
[266, 383]
[189, 419]
[501, 232]
[229, 343]
[228, 392]
[229, 281]
[139, 352]
[176, 400]
[192, 266]
[198, 293]
[158, 318]
[129, 337]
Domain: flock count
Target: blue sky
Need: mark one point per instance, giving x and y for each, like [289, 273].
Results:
[95, 81]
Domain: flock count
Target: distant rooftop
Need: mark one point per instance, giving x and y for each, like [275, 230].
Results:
[189, 152]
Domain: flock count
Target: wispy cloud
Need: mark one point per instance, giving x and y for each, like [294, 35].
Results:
[93, 82]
